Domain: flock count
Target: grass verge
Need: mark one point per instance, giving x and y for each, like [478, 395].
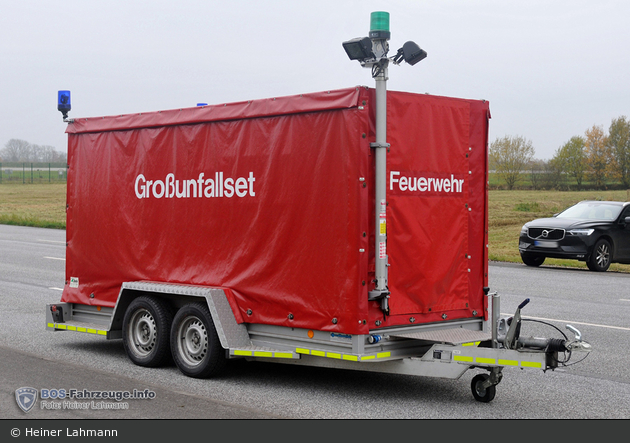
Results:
[36, 205]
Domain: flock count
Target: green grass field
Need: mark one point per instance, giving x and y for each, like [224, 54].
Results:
[44, 205]
[39, 205]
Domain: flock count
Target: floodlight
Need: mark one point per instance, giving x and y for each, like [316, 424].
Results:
[63, 103]
[359, 48]
[412, 53]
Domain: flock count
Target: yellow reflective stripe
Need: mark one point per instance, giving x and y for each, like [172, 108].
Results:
[476, 343]
[263, 354]
[65, 327]
[531, 364]
[245, 353]
[340, 356]
[508, 362]
[501, 362]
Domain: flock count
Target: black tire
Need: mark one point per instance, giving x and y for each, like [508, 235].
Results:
[484, 395]
[195, 345]
[146, 332]
[601, 257]
[532, 260]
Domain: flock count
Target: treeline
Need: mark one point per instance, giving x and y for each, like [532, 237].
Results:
[16, 150]
[599, 159]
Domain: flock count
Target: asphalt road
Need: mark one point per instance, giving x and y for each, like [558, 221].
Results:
[32, 274]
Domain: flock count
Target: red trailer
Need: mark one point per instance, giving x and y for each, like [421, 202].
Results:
[248, 230]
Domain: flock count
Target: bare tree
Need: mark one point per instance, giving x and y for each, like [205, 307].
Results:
[15, 150]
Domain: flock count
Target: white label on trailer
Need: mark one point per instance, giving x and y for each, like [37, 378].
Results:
[74, 282]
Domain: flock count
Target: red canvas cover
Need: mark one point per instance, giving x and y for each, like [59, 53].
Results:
[274, 200]
[437, 208]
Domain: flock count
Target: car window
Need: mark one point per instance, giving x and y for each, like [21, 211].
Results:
[592, 211]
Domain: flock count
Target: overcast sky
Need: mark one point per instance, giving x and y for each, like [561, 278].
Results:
[550, 69]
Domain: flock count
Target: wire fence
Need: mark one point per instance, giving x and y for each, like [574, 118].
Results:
[30, 172]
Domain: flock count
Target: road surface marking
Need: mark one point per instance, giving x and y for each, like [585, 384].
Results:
[574, 322]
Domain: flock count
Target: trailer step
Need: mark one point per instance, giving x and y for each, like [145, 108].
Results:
[453, 336]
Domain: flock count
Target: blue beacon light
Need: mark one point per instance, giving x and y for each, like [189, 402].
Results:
[63, 103]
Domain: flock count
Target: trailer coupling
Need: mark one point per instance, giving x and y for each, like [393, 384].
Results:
[509, 330]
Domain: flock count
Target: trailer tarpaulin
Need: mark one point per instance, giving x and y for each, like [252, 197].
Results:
[273, 199]
[436, 207]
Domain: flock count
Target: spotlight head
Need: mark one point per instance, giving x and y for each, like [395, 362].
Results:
[412, 53]
[359, 48]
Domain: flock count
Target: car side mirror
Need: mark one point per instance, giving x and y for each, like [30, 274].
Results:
[626, 220]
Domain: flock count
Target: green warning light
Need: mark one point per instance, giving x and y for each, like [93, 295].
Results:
[379, 25]
[379, 21]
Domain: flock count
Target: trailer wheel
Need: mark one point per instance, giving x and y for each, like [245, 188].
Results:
[146, 331]
[481, 393]
[195, 344]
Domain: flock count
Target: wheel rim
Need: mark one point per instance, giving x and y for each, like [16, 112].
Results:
[479, 389]
[142, 332]
[603, 255]
[193, 341]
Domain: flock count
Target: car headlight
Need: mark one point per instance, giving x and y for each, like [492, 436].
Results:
[581, 231]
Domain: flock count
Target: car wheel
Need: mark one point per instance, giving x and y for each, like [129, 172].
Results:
[532, 260]
[599, 260]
